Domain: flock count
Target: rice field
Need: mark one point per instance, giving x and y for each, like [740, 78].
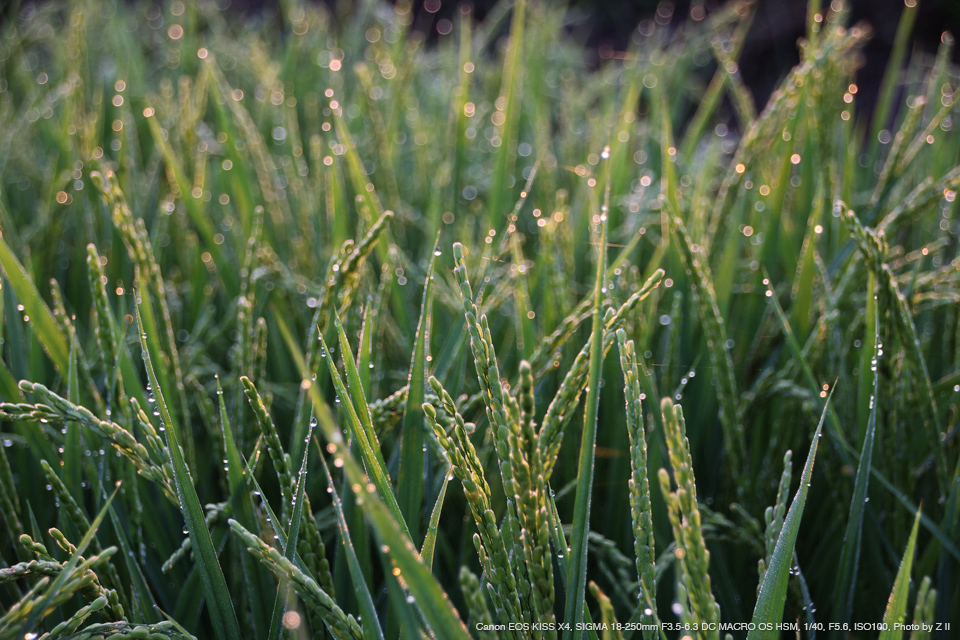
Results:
[364, 324]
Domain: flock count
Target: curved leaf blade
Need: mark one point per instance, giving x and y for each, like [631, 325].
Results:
[773, 592]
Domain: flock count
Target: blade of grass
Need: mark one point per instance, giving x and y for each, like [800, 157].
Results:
[510, 111]
[215, 591]
[276, 524]
[768, 612]
[563, 555]
[577, 571]
[428, 595]
[891, 76]
[241, 508]
[410, 476]
[896, 610]
[369, 451]
[850, 554]
[433, 528]
[368, 612]
[847, 452]
[35, 308]
[71, 447]
[290, 546]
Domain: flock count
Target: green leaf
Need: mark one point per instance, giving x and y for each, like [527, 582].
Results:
[383, 515]
[896, 610]
[241, 508]
[71, 446]
[844, 448]
[214, 585]
[506, 154]
[577, 571]
[275, 524]
[41, 319]
[412, 452]
[368, 612]
[369, 448]
[290, 546]
[850, 554]
[430, 540]
[768, 612]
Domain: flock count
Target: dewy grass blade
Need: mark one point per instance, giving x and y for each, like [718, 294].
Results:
[290, 547]
[768, 612]
[896, 610]
[41, 319]
[844, 447]
[850, 554]
[371, 625]
[276, 525]
[577, 572]
[71, 449]
[355, 386]
[870, 245]
[433, 528]
[563, 555]
[242, 511]
[369, 452]
[412, 451]
[215, 589]
[428, 595]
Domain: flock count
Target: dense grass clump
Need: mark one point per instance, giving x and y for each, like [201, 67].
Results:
[298, 313]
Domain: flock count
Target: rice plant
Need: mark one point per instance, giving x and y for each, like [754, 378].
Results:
[365, 324]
